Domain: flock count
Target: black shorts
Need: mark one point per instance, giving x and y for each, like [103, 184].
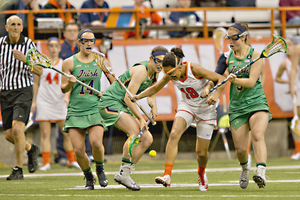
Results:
[15, 105]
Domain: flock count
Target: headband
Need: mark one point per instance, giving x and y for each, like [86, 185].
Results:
[53, 39]
[84, 31]
[238, 27]
[159, 54]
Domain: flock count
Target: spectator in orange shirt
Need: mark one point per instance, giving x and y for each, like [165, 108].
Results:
[144, 17]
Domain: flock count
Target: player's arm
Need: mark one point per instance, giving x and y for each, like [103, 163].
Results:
[255, 71]
[295, 61]
[67, 83]
[279, 73]
[220, 69]
[153, 89]
[152, 103]
[138, 75]
[200, 71]
[36, 85]
[110, 77]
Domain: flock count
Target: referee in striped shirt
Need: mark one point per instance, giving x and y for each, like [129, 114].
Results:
[16, 93]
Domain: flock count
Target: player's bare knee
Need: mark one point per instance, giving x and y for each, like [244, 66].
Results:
[147, 139]
[9, 138]
[45, 136]
[79, 152]
[201, 153]
[241, 150]
[97, 144]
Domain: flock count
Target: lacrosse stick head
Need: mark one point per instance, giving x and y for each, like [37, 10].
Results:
[133, 141]
[218, 36]
[277, 45]
[99, 59]
[34, 57]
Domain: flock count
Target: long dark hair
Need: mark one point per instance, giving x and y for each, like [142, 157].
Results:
[170, 58]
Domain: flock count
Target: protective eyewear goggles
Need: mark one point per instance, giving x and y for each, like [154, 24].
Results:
[85, 40]
[236, 36]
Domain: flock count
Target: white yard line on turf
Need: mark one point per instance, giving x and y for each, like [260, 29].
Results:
[158, 171]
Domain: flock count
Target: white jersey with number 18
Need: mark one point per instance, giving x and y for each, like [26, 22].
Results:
[191, 101]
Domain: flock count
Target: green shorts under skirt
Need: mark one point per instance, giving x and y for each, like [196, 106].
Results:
[83, 122]
[240, 117]
[111, 113]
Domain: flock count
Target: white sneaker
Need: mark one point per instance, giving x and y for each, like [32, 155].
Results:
[295, 156]
[203, 182]
[260, 178]
[73, 164]
[244, 177]
[165, 180]
[45, 167]
[124, 178]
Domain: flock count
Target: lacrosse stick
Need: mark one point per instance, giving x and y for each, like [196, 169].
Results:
[218, 35]
[30, 122]
[277, 45]
[99, 60]
[34, 57]
[295, 121]
[133, 141]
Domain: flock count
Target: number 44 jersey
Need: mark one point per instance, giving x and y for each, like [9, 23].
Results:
[50, 104]
[191, 101]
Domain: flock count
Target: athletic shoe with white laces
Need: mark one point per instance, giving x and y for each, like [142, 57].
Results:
[244, 177]
[73, 164]
[165, 180]
[45, 167]
[124, 178]
[260, 178]
[101, 175]
[295, 156]
[203, 182]
[90, 180]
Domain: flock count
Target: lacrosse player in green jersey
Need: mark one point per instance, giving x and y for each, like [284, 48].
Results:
[117, 109]
[83, 115]
[248, 108]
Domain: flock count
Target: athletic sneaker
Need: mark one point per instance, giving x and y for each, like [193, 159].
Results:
[17, 174]
[101, 175]
[203, 182]
[73, 164]
[124, 178]
[244, 177]
[32, 158]
[295, 156]
[164, 179]
[90, 180]
[45, 167]
[260, 178]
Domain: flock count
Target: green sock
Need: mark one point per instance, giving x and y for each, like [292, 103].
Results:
[101, 162]
[263, 164]
[244, 163]
[87, 169]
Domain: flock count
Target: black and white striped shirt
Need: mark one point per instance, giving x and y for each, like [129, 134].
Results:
[14, 74]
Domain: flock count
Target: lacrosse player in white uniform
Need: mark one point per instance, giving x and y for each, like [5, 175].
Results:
[51, 105]
[192, 80]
